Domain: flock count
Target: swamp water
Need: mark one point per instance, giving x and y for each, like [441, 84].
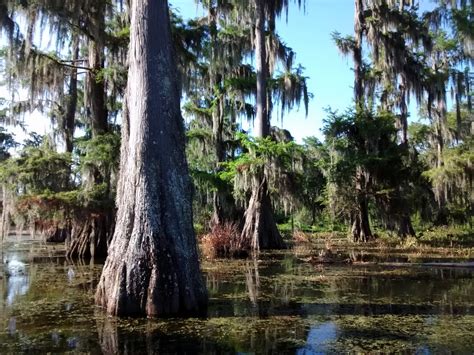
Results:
[277, 304]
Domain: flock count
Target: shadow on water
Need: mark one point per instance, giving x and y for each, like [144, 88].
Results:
[276, 304]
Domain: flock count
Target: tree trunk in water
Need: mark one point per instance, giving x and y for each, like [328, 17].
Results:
[405, 228]
[90, 236]
[224, 208]
[153, 268]
[360, 221]
[259, 226]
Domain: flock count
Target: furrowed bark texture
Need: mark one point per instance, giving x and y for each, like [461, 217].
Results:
[153, 268]
[361, 231]
[259, 225]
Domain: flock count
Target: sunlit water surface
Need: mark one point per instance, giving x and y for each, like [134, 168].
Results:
[277, 304]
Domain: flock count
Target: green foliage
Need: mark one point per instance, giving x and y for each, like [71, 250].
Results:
[447, 236]
[7, 142]
[37, 170]
[277, 161]
[47, 185]
[101, 153]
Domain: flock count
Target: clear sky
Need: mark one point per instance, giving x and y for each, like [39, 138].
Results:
[309, 34]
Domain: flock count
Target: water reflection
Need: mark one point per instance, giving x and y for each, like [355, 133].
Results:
[275, 304]
[12, 325]
[252, 281]
[18, 281]
[319, 338]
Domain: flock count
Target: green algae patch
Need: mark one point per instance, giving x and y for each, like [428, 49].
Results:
[278, 303]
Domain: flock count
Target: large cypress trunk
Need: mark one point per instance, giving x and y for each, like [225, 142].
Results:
[153, 268]
[259, 225]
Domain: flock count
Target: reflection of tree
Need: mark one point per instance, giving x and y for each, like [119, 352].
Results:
[108, 335]
[153, 337]
[83, 273]
[252, 280]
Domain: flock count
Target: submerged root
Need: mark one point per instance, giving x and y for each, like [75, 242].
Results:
[90, 238]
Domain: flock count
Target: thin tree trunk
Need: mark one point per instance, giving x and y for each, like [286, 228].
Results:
[224, 209]
[262, 124]
[358, 64]
[69, 123]
[90, 235]
[440, 191]
[96, 93]
[153, 268]
[4, 217]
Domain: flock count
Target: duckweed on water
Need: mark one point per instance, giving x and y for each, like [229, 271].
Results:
[278, 304]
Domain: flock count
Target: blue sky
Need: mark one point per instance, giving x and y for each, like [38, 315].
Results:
[309, 34]
[330, 74]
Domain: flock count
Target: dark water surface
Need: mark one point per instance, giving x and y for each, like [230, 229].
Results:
[277, 304]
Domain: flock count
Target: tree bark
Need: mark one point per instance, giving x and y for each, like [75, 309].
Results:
[224, 208]
[405, 227]
[69, 122]
[262, 124]
[440, 190]
[96, 93]
[259, 225]
[361, 231]
[358, 64]
[153, 268]
[360, 218]
[90, 236]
